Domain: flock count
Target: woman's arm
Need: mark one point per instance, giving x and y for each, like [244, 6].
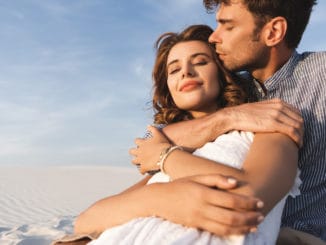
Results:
[271, 156]
[111, 211]
[192, 201]
[268, 172]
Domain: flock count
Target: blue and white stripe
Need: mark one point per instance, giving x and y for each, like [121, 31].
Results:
[302, 83]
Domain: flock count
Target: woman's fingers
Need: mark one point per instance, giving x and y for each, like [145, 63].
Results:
[234, 218]
[222, 230]
[222, 198]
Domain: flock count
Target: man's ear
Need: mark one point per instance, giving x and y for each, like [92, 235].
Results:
[274, 31]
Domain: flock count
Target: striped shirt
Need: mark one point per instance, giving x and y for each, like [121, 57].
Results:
[302, 83]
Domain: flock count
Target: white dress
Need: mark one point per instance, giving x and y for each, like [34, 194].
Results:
[229, 149]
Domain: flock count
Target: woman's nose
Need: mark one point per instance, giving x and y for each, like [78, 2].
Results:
[188, 71]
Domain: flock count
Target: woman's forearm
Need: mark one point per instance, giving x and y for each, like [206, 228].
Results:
[115, 210]
[271, 157]
[189, 201]
[181, 164]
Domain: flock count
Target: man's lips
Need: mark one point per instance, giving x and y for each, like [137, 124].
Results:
[218, 50]
[187, 86]
[219, 53]
[221, 56]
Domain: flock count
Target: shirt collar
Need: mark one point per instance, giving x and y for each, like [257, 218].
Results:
[284, 72]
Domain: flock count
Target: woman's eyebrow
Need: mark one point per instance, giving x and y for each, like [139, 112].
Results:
[198, 54]
[191, 56]
[172, 62]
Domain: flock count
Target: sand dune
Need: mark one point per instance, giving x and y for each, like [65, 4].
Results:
[38, 204]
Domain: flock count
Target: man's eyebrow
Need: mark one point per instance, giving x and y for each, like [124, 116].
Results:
[224, 20]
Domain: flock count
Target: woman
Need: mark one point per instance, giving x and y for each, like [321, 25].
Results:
[190, 83]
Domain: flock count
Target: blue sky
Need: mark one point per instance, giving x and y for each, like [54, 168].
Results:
[75, 76]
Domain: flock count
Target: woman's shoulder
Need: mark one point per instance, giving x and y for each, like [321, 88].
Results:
[237, 135]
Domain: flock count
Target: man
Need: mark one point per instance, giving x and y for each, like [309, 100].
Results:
[261, 37]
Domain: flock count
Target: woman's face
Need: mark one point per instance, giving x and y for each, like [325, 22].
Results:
[192, 77]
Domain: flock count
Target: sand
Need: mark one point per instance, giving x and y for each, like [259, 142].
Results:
[39, 204]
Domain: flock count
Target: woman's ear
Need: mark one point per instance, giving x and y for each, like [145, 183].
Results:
[274, 31]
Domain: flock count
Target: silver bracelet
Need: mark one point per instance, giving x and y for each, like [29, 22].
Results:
[164, 154]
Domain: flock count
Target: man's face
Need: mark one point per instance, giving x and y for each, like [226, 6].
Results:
[238, 45]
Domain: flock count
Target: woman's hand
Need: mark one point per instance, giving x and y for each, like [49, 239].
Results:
[147, 152]
[204, 202]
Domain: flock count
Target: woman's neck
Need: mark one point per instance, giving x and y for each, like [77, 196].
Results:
[199, 114]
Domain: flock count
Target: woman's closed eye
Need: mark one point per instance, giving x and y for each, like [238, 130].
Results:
[200, 63]
[200, 60]
[173, 70]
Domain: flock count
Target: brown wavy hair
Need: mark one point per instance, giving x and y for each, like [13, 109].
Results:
[296, 12]
[233, 89]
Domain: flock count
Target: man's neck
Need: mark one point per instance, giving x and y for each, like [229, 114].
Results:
[278, 57]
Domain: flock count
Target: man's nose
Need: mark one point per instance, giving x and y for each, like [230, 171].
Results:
[215, 37]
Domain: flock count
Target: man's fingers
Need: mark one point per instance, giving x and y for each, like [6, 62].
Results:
[279, 117]
[292, 113]
[281, 107]
[290, 127]
[296, 134]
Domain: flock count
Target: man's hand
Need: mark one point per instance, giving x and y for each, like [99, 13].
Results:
[267, 116]
[202, 202]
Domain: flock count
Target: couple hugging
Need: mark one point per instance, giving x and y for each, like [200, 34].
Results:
[228, 171]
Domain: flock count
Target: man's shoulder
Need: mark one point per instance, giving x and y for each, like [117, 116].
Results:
[313, 56]
[310, 62]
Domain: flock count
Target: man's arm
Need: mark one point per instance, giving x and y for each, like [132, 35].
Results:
[266, 116]
[271, 156]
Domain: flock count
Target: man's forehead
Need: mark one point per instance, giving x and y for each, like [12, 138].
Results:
[228, 2]
[231, 10]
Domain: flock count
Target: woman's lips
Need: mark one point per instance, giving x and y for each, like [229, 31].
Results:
[190, 85]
